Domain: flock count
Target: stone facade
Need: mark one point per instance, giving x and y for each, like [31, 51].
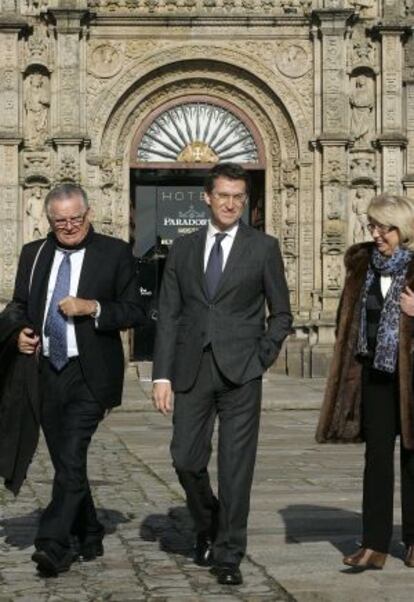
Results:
[328, 85]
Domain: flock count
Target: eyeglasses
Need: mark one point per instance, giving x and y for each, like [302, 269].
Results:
[222, 197]
[75, 222]
[380, 228]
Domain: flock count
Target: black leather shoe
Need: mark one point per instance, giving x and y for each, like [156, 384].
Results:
[203, 550]
[91, 551]
[228, 575]
[47, 563]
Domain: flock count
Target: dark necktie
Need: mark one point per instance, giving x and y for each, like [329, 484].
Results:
[215, 265]
[56, 323]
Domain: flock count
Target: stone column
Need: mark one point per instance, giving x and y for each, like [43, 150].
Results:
[68, 93]
[409, 115]
[10, 138]
[392, 140]
[332, 144]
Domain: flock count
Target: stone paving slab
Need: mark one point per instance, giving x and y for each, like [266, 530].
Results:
[305, 514]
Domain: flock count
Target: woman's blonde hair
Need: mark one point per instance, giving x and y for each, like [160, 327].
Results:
[397, 211]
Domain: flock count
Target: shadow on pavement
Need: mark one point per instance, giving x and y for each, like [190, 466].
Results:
[342, 528]
[174, 531]
[20, 531]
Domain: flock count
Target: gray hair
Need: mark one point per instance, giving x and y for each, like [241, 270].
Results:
[65, 191]
[397, 211]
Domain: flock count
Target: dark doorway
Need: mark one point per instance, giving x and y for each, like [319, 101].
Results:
[165, 204]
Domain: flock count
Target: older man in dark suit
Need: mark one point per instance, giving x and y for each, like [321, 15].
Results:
[212, 347]
[77, 289]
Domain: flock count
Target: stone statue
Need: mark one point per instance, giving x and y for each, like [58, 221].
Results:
[37, 225]
[359, 207]
[36, 105]
[362, 104]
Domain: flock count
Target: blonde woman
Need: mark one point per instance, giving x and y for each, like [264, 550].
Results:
[369, 393]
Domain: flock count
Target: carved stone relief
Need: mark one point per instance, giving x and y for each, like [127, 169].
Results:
[364, 7]
[363, 166]
[36, 164]
[363, 52]
[333, 272]
[293, 60]
[37, 47]
[105, 60]
[68, 170]
[36, 105]
[214, 7]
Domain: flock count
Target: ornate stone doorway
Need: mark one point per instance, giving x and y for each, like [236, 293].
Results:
[171, 154]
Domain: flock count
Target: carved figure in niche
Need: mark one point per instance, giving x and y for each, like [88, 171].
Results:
[36, 105]
[37, 224]
[359, 207]
[362, 104]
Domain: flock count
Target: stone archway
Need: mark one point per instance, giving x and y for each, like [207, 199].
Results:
[262, 106]
[288, 161]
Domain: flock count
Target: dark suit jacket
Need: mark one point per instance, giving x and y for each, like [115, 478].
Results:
[109, 276]
[234, 321]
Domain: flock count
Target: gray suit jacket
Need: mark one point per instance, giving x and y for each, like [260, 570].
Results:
[234, 321]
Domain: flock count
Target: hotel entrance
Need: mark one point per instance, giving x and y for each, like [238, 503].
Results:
[170, 157]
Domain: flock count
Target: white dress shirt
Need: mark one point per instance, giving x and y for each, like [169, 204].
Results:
[226, 243]
[385, 282]
[76, 262]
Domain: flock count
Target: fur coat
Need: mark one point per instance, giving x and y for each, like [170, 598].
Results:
[340, 417]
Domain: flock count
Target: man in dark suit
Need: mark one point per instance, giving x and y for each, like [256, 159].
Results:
[212, 347]
[78, 289]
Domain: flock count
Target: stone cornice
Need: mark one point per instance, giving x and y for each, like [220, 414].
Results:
[70, 140]
[234, 20]
[12, 24]
[396, 29]
[68, 20]
[391, 139]
[333, 20]
[334, 139]
[9, 140]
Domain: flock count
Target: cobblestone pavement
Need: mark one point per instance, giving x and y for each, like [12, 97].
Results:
[304, 516]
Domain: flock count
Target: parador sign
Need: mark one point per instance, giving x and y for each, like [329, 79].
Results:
[180, 210]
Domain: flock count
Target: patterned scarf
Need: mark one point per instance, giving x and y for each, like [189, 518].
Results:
[386, 350]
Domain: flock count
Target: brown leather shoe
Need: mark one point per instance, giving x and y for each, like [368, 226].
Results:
[409, 557]
[364, 559]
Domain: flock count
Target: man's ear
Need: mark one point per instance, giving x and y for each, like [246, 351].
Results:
[207, 198]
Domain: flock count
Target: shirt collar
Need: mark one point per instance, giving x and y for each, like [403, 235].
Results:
[212, 230]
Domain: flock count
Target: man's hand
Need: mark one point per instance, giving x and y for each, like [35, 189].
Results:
[27, 341]
[162, 397]
[407, 301]
[74, 306]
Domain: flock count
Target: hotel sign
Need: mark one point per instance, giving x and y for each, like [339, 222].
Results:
[180, 210]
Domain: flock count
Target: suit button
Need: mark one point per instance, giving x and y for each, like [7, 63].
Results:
[211, 306]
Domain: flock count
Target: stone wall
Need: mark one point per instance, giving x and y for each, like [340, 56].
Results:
[329, 86]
